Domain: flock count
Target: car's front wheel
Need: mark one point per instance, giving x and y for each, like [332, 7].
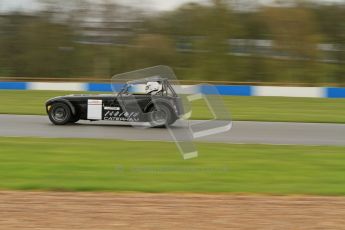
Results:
[74, 118]
[60, 114]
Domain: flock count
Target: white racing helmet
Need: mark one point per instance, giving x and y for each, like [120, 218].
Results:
[153, 87]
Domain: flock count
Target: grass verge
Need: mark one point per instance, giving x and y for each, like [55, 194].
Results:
[242, 108]
[109, 165]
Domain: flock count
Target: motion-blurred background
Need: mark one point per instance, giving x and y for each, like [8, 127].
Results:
[209, 40]
[254, 52]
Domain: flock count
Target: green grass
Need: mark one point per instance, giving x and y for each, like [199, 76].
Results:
[241, 108]
[109, 165]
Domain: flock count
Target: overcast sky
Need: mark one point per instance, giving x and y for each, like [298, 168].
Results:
[6, 5]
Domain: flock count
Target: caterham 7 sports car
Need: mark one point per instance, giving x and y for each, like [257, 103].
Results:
[157, 103]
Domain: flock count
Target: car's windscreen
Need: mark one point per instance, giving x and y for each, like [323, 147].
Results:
[131, 88]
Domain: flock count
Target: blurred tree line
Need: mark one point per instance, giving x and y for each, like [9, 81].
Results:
[300, 42]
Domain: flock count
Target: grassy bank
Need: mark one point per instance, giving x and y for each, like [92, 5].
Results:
[109, 165]
[242, 108]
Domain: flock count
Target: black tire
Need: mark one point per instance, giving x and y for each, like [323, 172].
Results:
[74, 118]
[161, 115]
[60, 114]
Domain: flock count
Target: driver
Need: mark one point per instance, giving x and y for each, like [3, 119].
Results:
[153, 87]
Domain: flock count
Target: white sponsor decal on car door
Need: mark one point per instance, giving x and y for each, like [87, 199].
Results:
[112, 108]
[94, 109]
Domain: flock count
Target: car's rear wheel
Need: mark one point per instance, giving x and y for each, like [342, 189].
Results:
[161, 115]
[60, 114]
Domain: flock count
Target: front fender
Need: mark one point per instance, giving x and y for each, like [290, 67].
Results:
[62, 100]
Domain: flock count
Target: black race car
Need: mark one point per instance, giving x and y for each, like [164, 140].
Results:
[156, 103]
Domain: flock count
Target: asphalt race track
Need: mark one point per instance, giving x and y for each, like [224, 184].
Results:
[241, 132]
